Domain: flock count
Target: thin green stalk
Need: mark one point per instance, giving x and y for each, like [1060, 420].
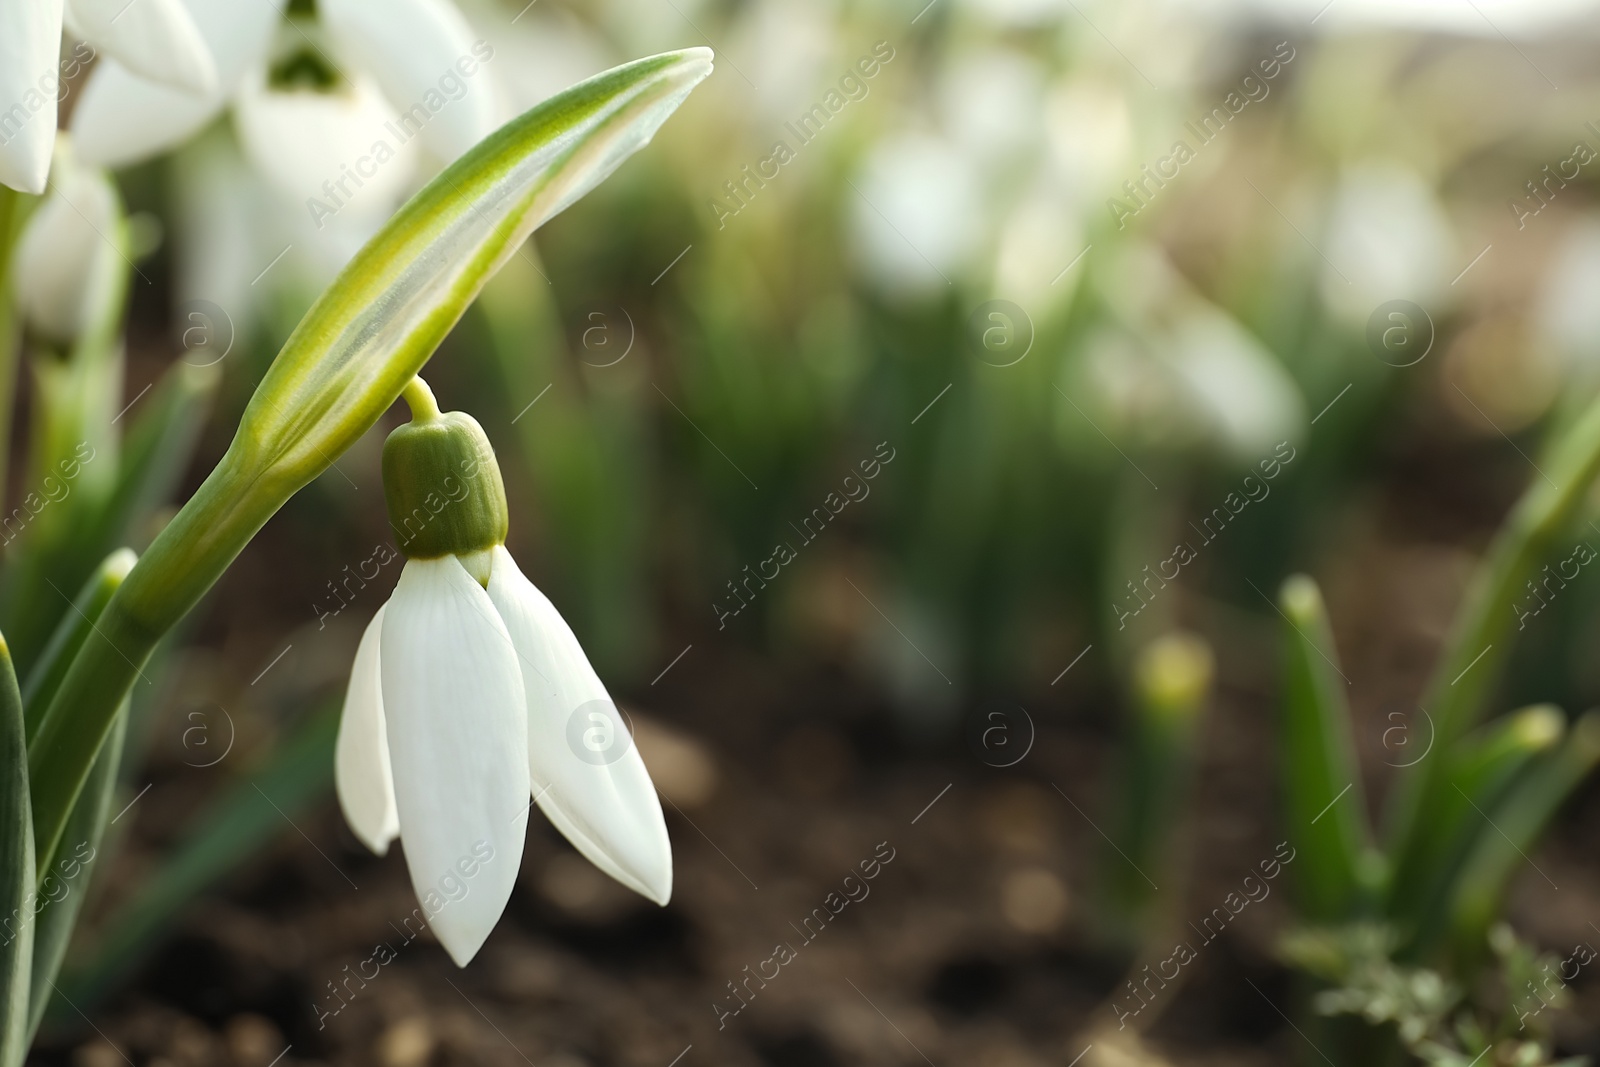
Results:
[1481, 639]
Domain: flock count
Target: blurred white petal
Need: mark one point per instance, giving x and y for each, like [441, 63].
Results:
[337, 148]
[587, 774]
[30, 48]
[156, 39]
[123, 118]
[361, 773]
[452, 696]
[540, 53]
[69, 252]
[413, 48]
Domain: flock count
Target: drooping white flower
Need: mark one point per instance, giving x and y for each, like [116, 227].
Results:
[70, 252]
[157, 38]
[471, 699]
[312, 97]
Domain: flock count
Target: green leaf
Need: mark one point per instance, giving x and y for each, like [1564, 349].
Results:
[380, 320]
[64, 884]
[1514, 828]
[1482, 770]
[70, 634]
[16, 870]
[1325, 807]
[359, 345]
[1481, 637]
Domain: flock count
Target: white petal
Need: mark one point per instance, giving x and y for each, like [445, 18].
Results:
[587, 774]
[123, 118]
[453, 699]
[316, 146]
[361, 772]
[156, 39]
[30, 47]
[413, 48]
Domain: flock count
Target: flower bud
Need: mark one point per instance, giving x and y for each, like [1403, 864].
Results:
[443, 487]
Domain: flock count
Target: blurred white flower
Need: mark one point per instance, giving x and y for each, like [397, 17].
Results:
[1567, 312]
[1248, 398]
[1480, 18]
[324, 106]
[1037, 243]
[1387, 239]
[991, 100]
[918, 215]
[157, 38]
[68, 256]
[1090, 133]
[1223, 385]
[789, 48]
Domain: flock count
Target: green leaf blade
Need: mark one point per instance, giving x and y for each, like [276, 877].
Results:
[16, 870]
[1325, 805]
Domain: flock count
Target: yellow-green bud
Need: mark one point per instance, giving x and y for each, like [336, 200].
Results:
[443, 487]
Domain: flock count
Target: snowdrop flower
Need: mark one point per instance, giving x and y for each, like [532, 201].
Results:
[67, 259]
[470, 695]
[332, 107]
[157, 38]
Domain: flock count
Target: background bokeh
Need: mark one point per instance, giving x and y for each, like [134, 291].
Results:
[955, 349]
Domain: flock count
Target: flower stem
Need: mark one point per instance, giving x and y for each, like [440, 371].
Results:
[419, 398]
[183, 562]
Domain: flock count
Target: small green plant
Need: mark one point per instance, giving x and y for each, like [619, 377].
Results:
[1401, 922]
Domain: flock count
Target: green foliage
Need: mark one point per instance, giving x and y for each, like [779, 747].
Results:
[1431, 1016]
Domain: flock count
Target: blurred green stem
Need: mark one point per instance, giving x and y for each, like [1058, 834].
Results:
[1172, 679]
[13, 209]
